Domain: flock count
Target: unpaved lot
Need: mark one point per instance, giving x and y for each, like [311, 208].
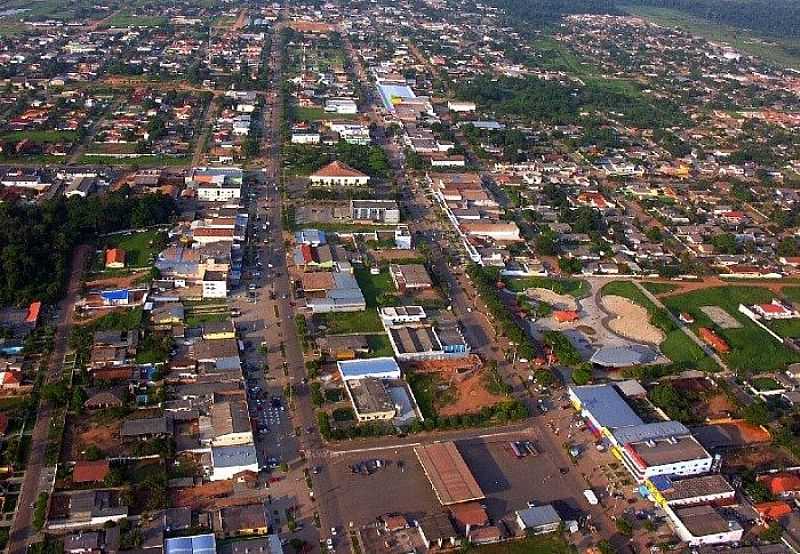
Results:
[631, 320]
[720, 317]
[558, 301]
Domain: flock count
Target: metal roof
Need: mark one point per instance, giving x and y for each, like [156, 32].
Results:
[606, 406]
[623, 356]
[538, 516]
[374, 367]
[233, 456]
[196, 544]
[650, 431]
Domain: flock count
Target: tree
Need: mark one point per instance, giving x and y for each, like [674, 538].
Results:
[757, 413]
[581, 375]
[724, 243]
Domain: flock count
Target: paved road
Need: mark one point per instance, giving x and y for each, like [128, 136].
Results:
[21, 529]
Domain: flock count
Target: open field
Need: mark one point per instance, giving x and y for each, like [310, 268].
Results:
[127, 19]
[352, 322]
[546, 544]
[40, 137]
[778, 51]
[318, 114]
[557, 301]
[659, 288]
[378, 290]
[752, 349]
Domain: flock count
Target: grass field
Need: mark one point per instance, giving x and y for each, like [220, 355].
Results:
[780, 52]
[318, 114]
[752, 349]
[139, 161]
[659, 288]
[573, 287]
[787, 328]
[352, 322]
[676, 345]
[379, 346]
[378, 290]
[139, 251]
[792, 293]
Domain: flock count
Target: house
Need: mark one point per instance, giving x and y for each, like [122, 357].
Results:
[311, 237]
[146, 428]
[338, 174]
[538, 520]
[193, 544]
[238, 521]
[437, 531]
[305, 137]
[167, 314]
[344, 106]
[85, 509]
[103, 400]
[370, 399]
[783, 484]
[410, 277]
[115, 258]
[230, 423]
[90, 472]
[215, 284]
[461, 106]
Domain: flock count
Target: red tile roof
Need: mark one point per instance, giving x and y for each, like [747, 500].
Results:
[338, 169]
[90, 472]
[33, 312]
[115, 256]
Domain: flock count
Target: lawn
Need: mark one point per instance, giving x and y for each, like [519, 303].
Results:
[139, 161]
[542, 544]
[786, 328]
[352, 322]
[781, 52]
[676, 345]
[659, 288]
[379, 346]
[378, 289]
[792, 293]
[318, 114]
[573, 287]
[752, 349]
[198, 319]
[139, 247]
[424, 386]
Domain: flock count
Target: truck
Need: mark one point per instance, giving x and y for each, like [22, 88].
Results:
[591, 497]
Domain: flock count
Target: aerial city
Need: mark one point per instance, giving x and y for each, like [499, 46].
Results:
[394, 277]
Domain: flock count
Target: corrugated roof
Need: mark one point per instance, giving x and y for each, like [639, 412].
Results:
[606, 406]
[451, 479]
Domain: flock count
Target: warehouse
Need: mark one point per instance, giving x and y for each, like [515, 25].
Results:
[445, 468]
[379, 368]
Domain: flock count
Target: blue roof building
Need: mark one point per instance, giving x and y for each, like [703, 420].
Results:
[379, 368]
[194, 544]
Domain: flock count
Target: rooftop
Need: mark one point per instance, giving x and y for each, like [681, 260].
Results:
[451, 479]
[606, 406]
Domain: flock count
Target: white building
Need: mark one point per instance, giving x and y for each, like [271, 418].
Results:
[461, 106]
[227, 461]
[338, 174]
[215, 284]
[703, 525]
[305, 137]
[345, 106]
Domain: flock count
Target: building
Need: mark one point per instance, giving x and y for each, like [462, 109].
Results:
[705, 489]
[393, 315]
[193, 544]
[311, 237]
[338, 174]
[230, 423]
[241, 521]
[371, 400]
[336, 291]
[85, 509]
[538, 520]
[448, 473]
[342, 106]
[402, 238]
[498, 231]
[305, 137]
[645, 449]
[410, 277]
[378, 368]
[375, 211]
[115, 258]
[227, 461]
[703, 525]
[90, 471]
[461, 106]
[215, 284]
[269, 544]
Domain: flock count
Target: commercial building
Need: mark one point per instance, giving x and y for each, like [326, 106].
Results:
[370, 398]
[216, 184]
[375, 211]
[451, 479]
[194, 544]
[378, 368]
[645, 449]
[706, 489]
[227, 461]
[336, 291]
[703, 525]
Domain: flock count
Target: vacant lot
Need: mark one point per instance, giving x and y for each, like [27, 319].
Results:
[572, 287]
[548, 544]
[752, 349]
[631, 320]
[352, 322]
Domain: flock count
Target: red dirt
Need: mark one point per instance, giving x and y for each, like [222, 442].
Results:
[116, 282]
[472, 396]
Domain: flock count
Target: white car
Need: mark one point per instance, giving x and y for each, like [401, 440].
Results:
[329, 543]
[333, 531]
